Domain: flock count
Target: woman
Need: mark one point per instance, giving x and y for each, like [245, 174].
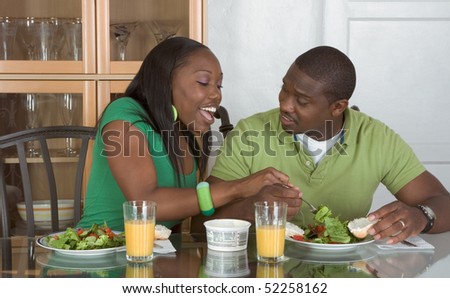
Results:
[149, 142]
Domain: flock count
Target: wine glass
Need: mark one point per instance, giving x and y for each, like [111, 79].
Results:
[31, 104]
[73, 36]
[27, 33]
[121, 33]
[8, 30]
[68, 108]
[164, 29]
[58, 39]
[47, 35]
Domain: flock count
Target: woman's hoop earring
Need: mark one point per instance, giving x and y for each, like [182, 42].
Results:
[175, 113]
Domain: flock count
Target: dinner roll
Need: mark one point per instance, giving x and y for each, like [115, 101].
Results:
[162, 233]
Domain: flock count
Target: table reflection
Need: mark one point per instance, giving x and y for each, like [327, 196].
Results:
[21, 258]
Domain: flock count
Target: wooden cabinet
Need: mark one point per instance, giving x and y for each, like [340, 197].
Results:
[97, 72]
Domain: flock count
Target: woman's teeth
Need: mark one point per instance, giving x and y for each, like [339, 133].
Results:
[209, 109]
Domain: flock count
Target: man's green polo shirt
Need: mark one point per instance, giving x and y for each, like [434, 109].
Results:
[367, 154]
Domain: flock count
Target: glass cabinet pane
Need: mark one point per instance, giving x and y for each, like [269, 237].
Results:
[137, 26]
[41, 30]
[19, 111]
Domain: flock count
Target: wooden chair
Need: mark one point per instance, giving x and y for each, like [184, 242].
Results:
[16, 143]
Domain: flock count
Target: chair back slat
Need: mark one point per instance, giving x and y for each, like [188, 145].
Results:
[42, 135]
[26, 185]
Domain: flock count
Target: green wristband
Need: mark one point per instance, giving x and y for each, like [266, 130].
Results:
[204, 199]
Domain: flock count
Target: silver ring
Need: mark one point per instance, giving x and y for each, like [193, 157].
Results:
[403, 224]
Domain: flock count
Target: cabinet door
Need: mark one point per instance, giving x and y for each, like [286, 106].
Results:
[40, 103]
[108, 91]
[47, 36]
[44, 103]
[127, 32]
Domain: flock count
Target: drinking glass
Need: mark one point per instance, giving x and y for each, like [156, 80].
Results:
[164, 29]
[270, 222]
[31, 104]
[121, 33]
[269, 270]
[8, 30]
[28, 35]
[68, 108]
[46, 30]
[58, 38]
[73, 36]
[139, 270]
[139, 220]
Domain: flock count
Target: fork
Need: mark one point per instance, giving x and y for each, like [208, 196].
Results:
[312, 208]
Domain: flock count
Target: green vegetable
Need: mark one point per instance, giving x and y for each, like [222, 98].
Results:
[328, 229]
[82, 239]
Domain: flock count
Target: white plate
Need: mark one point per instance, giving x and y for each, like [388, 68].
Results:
[330, 247]
[85, 253]
[104, 262]
[361, 253]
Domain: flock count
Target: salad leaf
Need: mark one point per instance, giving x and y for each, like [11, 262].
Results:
[95, 237]
[328, 229]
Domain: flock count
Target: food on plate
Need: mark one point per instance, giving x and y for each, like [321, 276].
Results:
[162, 233]
[96, 237]
[327, 229]
[360, 226]
[293, 230]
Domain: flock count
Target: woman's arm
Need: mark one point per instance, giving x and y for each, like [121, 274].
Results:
[133, 168]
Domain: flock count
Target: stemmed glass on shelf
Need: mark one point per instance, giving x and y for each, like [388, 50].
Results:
[73, 35]
[121, 33]
[68, 108]
[8, 30]
[164, 29]
[31, 104]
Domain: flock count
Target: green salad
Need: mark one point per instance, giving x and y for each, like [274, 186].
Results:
[328, 229]
[96, 237]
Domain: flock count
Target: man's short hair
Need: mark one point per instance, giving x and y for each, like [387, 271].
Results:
[332, 68]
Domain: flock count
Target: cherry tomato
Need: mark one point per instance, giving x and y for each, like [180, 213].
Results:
[298, 237]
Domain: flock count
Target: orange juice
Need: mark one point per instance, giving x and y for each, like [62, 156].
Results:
[270, 241]
[143, 270]
[267, 270]
[139, 235]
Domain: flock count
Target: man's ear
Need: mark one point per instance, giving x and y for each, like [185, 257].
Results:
[339, 107]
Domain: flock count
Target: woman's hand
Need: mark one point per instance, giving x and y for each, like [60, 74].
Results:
[278, 192]
[397, 221]
[251, 185]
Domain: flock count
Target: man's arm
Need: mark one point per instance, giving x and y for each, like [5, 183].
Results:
[425, 189]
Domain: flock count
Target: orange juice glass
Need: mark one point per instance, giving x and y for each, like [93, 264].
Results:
[139, 220]
[269, 270]
[270, 220]
[139, 270]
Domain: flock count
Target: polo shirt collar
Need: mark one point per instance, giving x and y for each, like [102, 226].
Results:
[348, 137]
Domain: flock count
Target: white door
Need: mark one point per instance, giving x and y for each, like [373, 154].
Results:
[401, 50]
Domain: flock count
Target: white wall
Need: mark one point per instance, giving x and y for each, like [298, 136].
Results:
[400, 49]
[256, 42]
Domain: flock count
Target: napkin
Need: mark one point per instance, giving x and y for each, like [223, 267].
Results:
[163, 247]
[419, 243]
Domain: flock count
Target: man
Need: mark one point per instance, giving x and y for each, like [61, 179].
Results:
[336, 156]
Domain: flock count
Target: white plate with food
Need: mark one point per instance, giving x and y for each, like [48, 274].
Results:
[94, 241]
[360, 253]
[334, 247]
[42, 241]
[64, 261]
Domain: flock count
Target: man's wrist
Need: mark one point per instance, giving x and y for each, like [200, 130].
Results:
[429, 215]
